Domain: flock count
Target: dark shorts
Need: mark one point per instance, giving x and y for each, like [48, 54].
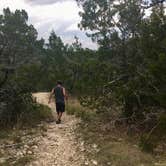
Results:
[60, 107]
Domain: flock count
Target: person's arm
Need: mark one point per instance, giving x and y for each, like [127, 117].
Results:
[65, 94]
[51, 94]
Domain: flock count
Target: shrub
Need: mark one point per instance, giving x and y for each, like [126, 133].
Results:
[150, 140]
[146, 144]
[17, 107]
[80, 112]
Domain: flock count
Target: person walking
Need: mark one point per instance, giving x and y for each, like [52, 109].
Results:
[60, 96]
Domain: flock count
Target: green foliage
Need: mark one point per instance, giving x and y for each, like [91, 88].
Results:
[132, 47]
[18, 107]
[38, 114]
[149, 141]
[4, 134]
[20, 53]
[80, 112]
[13, 102]
[146, 145]
[18, 40]
[162, 124]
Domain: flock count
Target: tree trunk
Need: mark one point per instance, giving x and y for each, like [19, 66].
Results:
[4, 79]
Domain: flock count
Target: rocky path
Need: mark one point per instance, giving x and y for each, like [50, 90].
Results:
[58, 146]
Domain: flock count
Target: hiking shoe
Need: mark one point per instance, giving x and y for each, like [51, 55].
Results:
[58, 121]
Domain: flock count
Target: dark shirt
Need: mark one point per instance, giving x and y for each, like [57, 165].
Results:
[59, 96]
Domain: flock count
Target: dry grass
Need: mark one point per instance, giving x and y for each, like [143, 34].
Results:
[115, 147]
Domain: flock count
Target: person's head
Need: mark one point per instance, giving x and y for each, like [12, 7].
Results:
[59, 82]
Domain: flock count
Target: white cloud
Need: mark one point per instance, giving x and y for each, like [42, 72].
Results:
[46, 15]
[64, 10]
[72, 27]
[43, 2]
[13, 4]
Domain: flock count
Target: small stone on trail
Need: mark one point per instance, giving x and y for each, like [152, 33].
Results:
[26, 146]
[35, 147]
[60, 127]
[2, 160]
[29, 152]
[36, 163]
[86, 163]
[120, 139]
[94, 162]
[94, 146]
[44, 134]
[136, 146]
[82, 143]
[82, 149]
[24, 152]
[159, 164]
[2, 151]
[19, 154]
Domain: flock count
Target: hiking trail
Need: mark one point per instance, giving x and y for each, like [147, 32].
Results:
[58, 146]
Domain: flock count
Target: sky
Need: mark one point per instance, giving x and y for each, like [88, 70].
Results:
[47, 15]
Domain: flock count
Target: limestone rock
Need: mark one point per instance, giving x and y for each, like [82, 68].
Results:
[94, 162]
[29, 152]
[26, 146]
[34, 147]
[94, 146]
[86, 163]
[2, 160]
[19, 154]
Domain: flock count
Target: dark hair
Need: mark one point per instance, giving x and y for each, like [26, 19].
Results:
[59, 82]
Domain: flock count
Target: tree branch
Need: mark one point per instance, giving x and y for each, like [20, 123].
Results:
[4, 79]
[154, 4]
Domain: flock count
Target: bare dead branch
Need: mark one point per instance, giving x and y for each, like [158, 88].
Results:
[154, 4]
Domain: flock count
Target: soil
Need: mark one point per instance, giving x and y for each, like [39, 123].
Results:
[58, 146]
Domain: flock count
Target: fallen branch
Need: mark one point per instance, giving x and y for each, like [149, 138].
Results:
[152, 130]
[154, 4]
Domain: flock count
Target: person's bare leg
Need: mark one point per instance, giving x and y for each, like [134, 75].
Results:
[60, 116]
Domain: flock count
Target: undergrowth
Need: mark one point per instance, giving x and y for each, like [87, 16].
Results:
[115, 145]
[35, 116]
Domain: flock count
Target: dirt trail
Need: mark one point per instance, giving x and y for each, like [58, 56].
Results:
[58, 147]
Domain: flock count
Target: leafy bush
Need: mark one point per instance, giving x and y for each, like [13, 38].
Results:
[81, 112]
[149, 141]
[146, 145]
[17, 107]
[36, 115]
